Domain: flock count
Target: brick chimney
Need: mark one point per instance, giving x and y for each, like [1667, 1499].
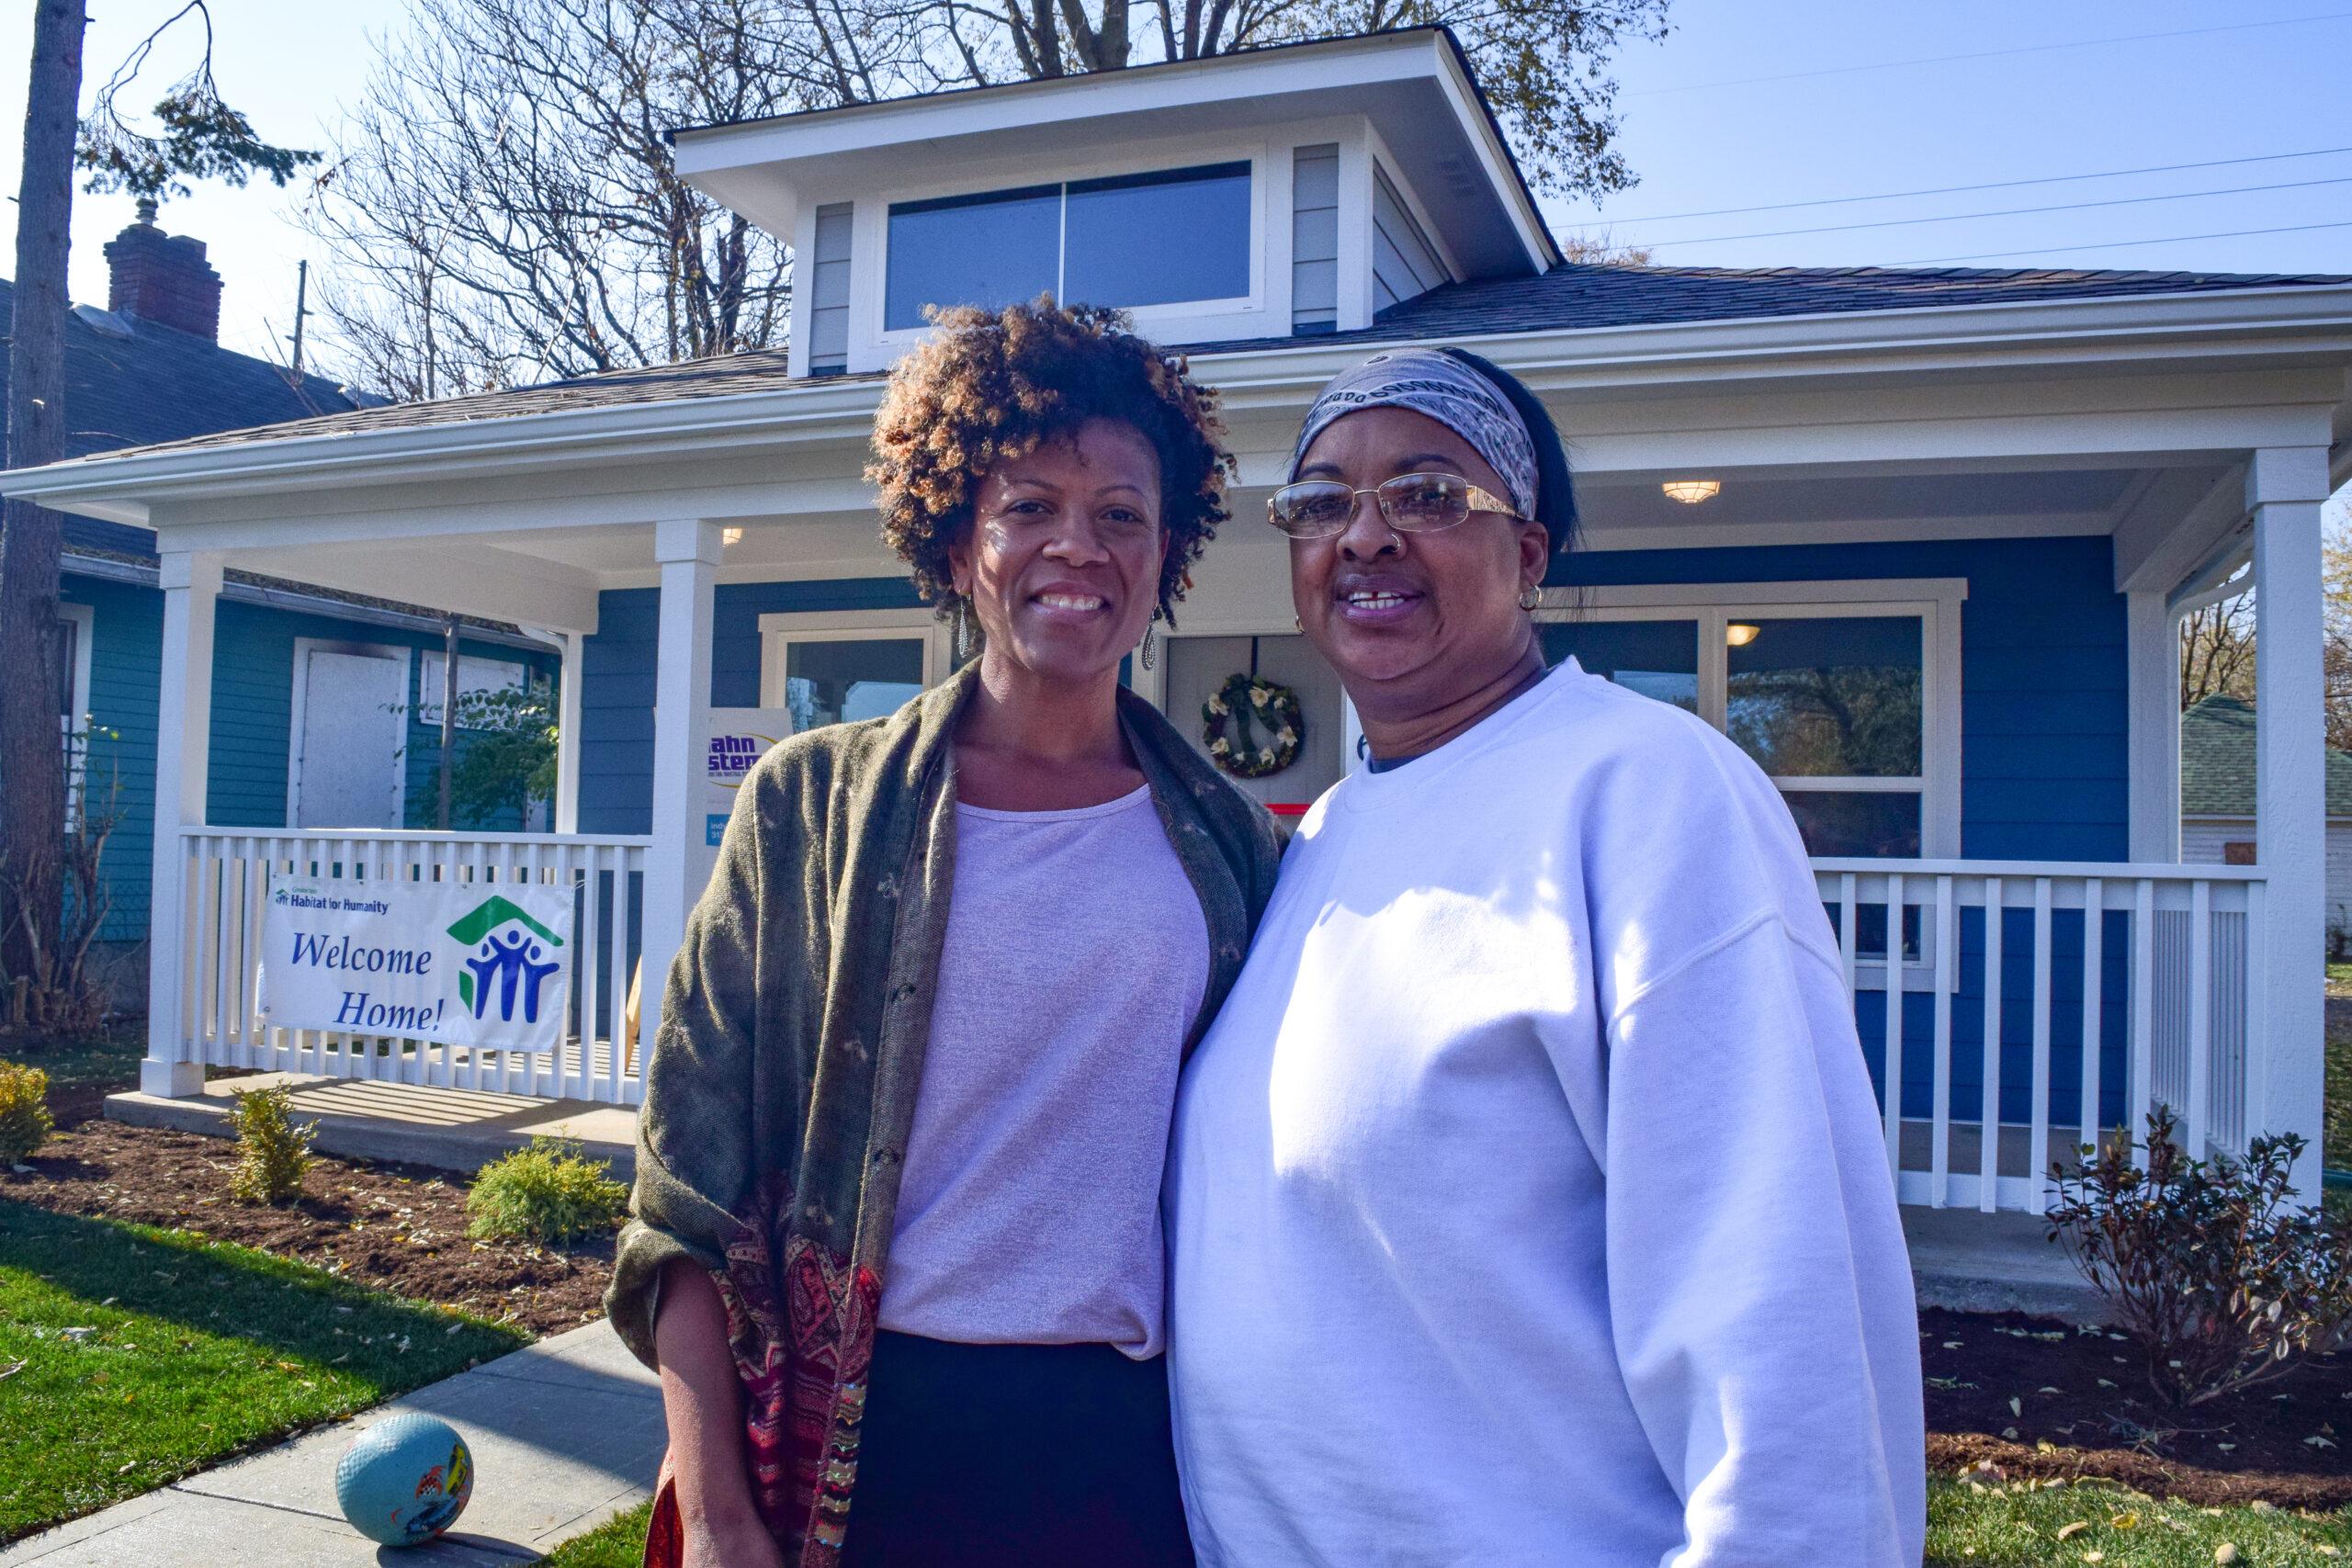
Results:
[163, 278]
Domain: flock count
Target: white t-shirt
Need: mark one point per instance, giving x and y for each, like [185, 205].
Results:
[1029, 1208]
[1529, 1203]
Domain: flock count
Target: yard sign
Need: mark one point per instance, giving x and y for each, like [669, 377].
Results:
[471, 965]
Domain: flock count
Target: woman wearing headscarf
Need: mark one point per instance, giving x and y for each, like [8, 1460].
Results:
[1527, 1203]
[897, 1232]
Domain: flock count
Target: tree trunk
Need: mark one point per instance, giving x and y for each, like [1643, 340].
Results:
[32, 771]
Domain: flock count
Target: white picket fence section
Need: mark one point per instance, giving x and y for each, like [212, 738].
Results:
[227, 878]
[2189, 1010]
[2189, 937]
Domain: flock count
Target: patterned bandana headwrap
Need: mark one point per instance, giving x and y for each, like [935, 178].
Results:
[1446, 390]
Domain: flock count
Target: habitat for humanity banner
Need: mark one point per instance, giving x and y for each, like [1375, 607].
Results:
[431, 961]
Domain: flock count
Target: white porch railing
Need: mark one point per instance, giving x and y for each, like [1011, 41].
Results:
[226, 877]
[2161, 988]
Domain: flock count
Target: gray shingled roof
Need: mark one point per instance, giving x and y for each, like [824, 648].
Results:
[2217, 762]
[1569, 295]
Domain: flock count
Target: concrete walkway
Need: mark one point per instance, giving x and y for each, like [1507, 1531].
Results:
[564, 1434]
[455, 1129]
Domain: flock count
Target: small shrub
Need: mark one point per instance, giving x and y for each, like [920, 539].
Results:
[273, 1150]
[548, 1193]
[23, 1110]
[2222, 1277]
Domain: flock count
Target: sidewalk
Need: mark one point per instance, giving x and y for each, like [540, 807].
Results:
[564, 1434]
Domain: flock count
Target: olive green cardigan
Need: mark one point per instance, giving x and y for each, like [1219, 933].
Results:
[782, 1081]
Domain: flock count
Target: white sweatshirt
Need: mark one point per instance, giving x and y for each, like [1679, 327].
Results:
[1528, 1202]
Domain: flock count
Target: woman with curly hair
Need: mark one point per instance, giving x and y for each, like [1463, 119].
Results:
[896, 1216]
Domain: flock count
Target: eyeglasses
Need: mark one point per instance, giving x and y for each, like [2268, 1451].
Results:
[1409, 504]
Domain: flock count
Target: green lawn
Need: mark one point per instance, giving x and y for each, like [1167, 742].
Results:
[2010, 1527]
[617, 1543]
[2013, 1528]
[129, 1357]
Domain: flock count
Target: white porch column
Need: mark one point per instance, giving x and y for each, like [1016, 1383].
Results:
[191, 583]
[2284, 488]
[567, 735]
[688, 551]
[2151, 680]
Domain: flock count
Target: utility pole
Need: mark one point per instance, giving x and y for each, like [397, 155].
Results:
[301, 308]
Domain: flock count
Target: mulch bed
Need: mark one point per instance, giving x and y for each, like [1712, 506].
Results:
[2065, 1425]
[395, 1228]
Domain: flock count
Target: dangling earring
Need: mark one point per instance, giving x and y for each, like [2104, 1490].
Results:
[1146, 640]
[963, 630]
[1530, 596]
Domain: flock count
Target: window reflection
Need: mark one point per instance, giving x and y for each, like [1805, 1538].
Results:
[1837, 697]
[1657, 658]
[833, 682]
[994, 250]
[1852, 822]
[1155, 239]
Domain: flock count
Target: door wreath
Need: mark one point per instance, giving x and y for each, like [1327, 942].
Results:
[1244, 701]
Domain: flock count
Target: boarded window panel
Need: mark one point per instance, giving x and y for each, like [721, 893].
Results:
[990, 250]
[1315, 239]
[828, 291]
[1404, 262]
[1157, 239]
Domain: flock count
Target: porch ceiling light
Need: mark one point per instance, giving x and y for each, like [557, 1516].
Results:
[1739, 634]
[730, 537]
[1691, 493]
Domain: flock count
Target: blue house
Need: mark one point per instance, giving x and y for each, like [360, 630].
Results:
[1918, 539]
[317, 719]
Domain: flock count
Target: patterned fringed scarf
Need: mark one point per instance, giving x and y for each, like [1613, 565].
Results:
[800, 1323]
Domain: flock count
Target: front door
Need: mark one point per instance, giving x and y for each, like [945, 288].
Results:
[348, 741]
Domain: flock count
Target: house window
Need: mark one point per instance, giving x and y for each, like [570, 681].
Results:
[1848, 702]
[476, 677]
[837, 666]
[1831, 708]
[1100, 242]
[837, 682]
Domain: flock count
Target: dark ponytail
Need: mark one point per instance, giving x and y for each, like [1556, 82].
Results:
[1556, 491]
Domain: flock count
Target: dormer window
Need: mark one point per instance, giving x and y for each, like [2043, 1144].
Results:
[1176, 236]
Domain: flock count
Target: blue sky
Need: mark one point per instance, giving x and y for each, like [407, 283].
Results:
[1701, 128]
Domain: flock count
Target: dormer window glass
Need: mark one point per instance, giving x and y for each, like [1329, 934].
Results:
[1174, 236]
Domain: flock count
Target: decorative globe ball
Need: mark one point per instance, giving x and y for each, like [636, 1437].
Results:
[405, 1480]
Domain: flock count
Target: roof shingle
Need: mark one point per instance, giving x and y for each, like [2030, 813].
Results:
[1569, 295]
[2217, 762]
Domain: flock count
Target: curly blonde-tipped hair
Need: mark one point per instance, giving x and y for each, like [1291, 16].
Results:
[994, 384]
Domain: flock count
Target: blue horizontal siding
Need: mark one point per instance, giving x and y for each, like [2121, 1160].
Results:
[617, 677]
[126, 649]
[2044, 760]
[252, 687]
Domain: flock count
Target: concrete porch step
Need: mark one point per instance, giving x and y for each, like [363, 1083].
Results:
[452, 1129]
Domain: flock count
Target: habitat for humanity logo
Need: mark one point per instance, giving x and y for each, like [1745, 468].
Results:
[509, 958]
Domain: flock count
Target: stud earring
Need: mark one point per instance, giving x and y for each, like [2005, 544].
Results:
[1530, 596]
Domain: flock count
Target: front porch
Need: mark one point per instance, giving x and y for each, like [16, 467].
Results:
[1998, 551]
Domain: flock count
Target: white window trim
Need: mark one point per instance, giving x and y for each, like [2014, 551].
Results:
[1936, 601]
[779, 629]
[1258, 156]
[84, 618]
[303, 647]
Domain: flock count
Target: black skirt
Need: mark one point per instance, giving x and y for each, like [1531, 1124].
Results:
[976, 1455]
